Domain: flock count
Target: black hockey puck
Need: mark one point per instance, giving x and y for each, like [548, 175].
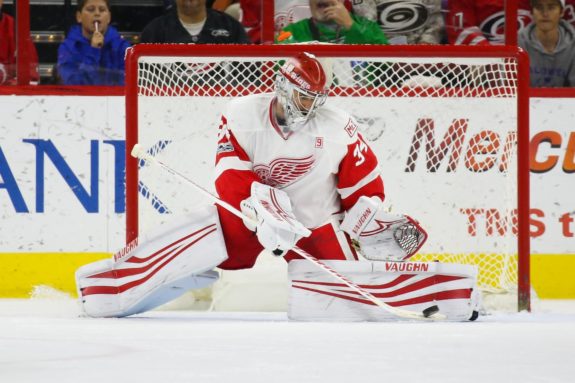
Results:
[430, 311]
[474, 315]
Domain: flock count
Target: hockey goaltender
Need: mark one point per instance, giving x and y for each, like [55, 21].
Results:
[306, 183]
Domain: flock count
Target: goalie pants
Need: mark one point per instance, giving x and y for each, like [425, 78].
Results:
[325, 242]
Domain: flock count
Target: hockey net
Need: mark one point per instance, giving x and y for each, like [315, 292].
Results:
[447, 123]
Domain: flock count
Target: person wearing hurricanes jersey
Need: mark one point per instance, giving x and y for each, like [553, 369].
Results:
[482, 22]
[294, 141]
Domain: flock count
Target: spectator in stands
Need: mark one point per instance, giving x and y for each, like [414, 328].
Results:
[231, 7]
[550, 42]
[405, 21]
[251, 19]
[331, 22]
[481, 22]
[364, 8]
[191, 21]
[93, 52]
[8, 52]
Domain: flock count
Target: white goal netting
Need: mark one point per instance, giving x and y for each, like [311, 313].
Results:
[444, 128]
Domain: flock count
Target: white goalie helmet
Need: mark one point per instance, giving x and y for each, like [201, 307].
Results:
[301, 88]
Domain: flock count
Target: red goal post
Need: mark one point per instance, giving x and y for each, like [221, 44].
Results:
[450, 125]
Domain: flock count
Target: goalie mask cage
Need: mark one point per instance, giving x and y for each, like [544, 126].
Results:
[449, 125]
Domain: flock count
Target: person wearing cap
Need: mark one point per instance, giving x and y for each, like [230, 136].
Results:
[550, 43]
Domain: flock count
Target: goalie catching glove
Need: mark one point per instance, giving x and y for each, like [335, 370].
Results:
[381, 236]
[268, 212]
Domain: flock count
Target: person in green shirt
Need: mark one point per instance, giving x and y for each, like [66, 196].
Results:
[331, 22]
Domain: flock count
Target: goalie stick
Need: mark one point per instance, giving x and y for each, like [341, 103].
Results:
[430, 313]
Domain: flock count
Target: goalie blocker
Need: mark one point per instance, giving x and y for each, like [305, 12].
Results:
[413, 286]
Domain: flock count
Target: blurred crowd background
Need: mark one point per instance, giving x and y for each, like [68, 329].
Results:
[82, 42]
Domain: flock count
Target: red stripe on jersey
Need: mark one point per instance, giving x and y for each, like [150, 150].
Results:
[228, 145]
[372, 189]
[359, 162]
[475, 38]
[486, 15]
[233, 186]
[322, 244]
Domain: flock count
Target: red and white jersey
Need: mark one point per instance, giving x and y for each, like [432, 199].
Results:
[251, 19]
[324, 167]
[8, 52]
[481, 22]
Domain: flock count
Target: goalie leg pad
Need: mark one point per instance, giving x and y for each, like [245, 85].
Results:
[414, 286]
[170, 291]
[155, 269]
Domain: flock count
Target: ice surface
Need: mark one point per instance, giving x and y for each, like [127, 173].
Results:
[45, 340]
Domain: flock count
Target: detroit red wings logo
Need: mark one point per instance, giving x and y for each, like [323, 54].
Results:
[284, 171]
